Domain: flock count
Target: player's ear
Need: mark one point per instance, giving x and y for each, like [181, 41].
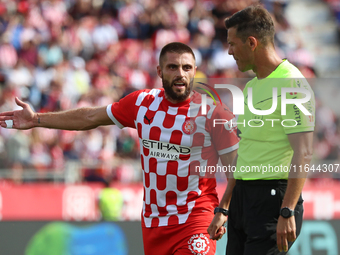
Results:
[252, 42]
[159, 71]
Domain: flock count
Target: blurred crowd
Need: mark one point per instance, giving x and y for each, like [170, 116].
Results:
[61, 54]
[335, 7]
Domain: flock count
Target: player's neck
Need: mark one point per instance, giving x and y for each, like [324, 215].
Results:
[173, 101]
[266, 62]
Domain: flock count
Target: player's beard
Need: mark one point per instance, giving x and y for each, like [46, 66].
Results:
[168, 88]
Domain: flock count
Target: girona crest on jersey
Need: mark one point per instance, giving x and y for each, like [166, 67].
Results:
[199, 244]
[189, 127]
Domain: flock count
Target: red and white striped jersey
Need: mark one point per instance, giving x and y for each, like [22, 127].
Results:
[175, 141]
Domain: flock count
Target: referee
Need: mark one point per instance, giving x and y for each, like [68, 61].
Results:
[263, 202]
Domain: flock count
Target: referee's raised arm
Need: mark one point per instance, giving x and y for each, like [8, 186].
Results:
[75, 119]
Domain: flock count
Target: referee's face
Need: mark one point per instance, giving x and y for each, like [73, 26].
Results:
[177, 72]
[241, 51]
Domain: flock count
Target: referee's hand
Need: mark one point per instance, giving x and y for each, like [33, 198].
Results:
[285, 232]
[216, 230]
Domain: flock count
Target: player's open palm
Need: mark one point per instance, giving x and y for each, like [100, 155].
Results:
[19, 119]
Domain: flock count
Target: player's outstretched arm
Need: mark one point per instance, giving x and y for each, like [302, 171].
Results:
[75, 119]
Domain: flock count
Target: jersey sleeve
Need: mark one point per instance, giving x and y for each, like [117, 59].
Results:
[295, 121]
[224, 130]
[123, 113]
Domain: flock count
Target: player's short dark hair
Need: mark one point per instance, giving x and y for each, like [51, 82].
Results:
[175, 47]
[255, 21]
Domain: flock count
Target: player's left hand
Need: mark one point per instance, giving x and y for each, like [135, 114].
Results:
[217, 229]
[285, 232]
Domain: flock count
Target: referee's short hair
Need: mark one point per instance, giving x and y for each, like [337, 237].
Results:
[175, 47]
[255, 21]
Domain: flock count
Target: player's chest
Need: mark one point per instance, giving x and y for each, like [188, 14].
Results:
[166, 123]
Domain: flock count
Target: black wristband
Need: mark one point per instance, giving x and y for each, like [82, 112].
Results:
[221, 210]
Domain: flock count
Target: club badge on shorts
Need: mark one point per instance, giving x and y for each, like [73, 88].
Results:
[199, 244]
